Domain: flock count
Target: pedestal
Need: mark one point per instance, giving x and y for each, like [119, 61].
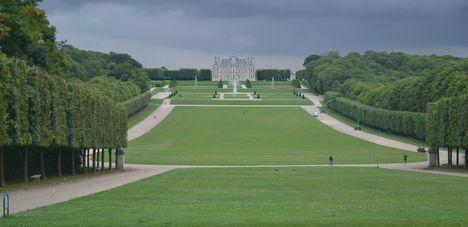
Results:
[120, 158]
[432, 157]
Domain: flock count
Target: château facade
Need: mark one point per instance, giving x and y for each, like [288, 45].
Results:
[233, 68]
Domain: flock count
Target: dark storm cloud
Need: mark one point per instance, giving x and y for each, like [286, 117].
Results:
[275, 29]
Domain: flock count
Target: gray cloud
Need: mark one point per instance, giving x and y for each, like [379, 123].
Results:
[276, 31]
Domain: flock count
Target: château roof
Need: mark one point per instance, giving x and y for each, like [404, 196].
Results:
[233, 61]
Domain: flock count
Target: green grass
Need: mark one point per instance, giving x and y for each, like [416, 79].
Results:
[214, 135]
[281, 94]
[265, 197]
[351, 122]
[143, 113]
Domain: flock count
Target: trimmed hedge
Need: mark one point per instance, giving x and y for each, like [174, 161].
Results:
[43, 113]
[398, 122]
[136, 103]
[447, 122]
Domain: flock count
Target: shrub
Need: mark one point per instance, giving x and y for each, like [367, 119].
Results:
[173, 83]
[248, 84]
[296, 83]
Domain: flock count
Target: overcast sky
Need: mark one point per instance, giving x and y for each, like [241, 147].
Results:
[277, 33]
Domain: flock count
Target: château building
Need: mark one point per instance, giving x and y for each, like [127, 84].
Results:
[233, 68]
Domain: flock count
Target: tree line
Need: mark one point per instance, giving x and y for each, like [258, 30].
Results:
[447, 125]
[268, 74]
[85, 65]
[394, 81]
[387, 91]
[43, 116]
[26, 33]
[404, 123]
[180, 74]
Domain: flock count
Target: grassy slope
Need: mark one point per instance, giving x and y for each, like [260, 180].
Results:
[265, 197]
[143, 113]
[210, 135]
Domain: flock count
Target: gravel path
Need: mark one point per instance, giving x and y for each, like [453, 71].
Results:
[23, 200]
[149, 122]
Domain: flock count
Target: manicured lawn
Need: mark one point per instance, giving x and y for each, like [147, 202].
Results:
[234, 135]
[267, 197]
[143, 113]
[280, 94]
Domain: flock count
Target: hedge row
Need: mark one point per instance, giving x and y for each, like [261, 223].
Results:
[38, 109]
[136, 103]
[43, 116]
[447, 122]
[398, 122]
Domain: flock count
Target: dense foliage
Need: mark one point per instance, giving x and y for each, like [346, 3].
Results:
[179, 74]
[397, 122]
[387, 90]
[118, 90]
[43, 111]
[137, 103]
[301, 74]
[204, 74]
[86, 65]
[248, 84]
[268, 74]
[394, 81]
[25, 33]
[447, 123]
[296, 83]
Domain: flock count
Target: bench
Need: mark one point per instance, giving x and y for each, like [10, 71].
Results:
[35, 178]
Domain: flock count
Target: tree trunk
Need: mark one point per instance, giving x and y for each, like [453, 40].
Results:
[449, 154]
[43, 172]
[83, 160]
[458, 155]
[73, 162]
[110, 158]
[94, 159]
[59, 162]
[102, 159]
[2, 173]
[87, 158]
[97, 158]
[438, 157]
[116, 159]
[466, 158]
[26, 164]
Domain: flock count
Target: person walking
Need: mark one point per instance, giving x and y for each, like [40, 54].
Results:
[405, 158]
[330, 161]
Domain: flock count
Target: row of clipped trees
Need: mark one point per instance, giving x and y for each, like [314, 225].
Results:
[44, 118]
[447, 125]
[137, 103]
[398, 122]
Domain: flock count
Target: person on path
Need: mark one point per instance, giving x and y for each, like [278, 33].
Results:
[330, 161]
[405, 158]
